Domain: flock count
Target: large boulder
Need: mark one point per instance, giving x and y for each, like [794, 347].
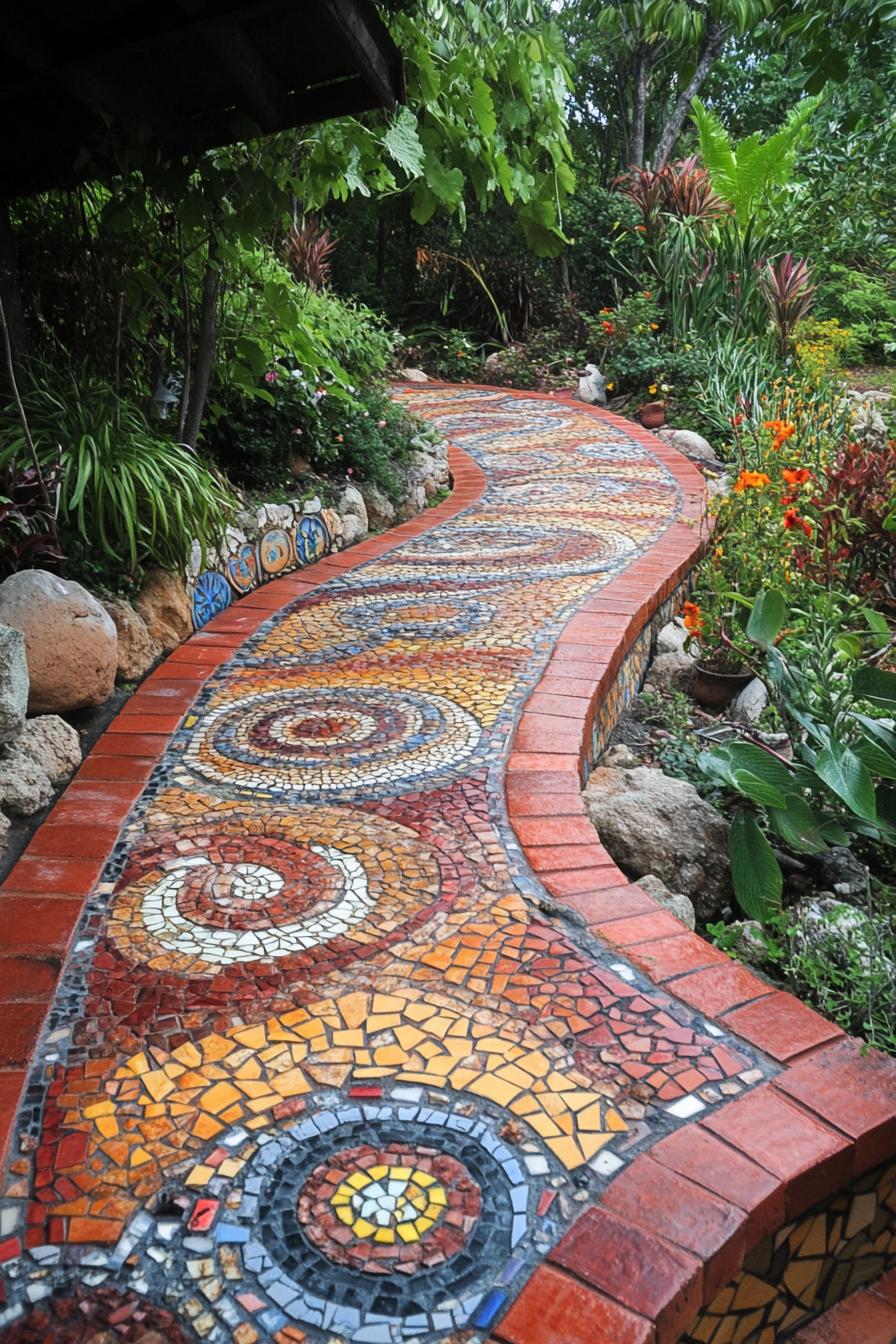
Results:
[673, 637]
[13, 683]
[682, 907]
[839, 871]
[750, 704]
[414, 376]
[71, 644]
[137, 650]
[592, 386]
[25, 787]
[164, 604]
[653, 824]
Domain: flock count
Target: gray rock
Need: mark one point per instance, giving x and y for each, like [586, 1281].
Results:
[749, 945]
[414, 376]
[838, 870]
[5, 824]
[71, 645]
[414, 502]
[873, 394]
[750, 703]
[620, 756]
[592, 386]
[351, 505]
[672, 672]
[687, 442]
[672, 637]
[824, 926]
[13, 683]
[380, 509]
[24, 787]
[677, 904]
[312, 505]
[717, 487]
[274, 515]
[653, 824]
[868, 425]
[352, 529]
[54, 745]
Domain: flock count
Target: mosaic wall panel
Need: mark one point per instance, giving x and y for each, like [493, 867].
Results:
[319, 1066]
[301, 541]
[800, 1271]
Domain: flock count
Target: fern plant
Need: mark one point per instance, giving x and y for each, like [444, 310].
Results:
[746, 174]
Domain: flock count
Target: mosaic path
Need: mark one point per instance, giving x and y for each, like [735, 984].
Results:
[335, 1055]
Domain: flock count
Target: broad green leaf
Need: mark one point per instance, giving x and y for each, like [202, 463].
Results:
[754, 869]
[847, 777]
[878, 761]
[767, 617]
[850, 646]
[877, 625]
[798, 826]
[484, 108]
[402, 143]
[875, 686]
[834, 833]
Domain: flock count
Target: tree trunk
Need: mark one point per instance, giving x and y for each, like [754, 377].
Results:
[10, 291]
[205, 349]
[639, 109]
[716, 35]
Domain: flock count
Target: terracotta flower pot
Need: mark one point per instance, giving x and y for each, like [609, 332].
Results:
[715, 689]
[652, 414]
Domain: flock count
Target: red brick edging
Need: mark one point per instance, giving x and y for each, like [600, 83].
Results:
[673, 1226]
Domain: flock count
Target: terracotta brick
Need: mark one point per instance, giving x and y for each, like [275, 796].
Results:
[643, 928]
[53, 876]
[555, 1309]
[635, 1268]
[781, 1026]
[719, 988]
[863, 1318]
[601, 906]
[710, 1228]
[67, 841]
[885, 1287]
[675, 955]
[696, 1153]
[44, 923]
[28, 978]
[852, 1091]
[811, 1159]
[21, 1026]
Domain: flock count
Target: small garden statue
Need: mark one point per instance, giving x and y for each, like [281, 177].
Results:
[592, 386]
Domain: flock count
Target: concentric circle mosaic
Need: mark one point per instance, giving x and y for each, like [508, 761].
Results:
[391, 1215]
[334, 742]
[490, 550]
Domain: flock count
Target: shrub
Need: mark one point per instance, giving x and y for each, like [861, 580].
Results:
[855, 516]
[125, 490]
[822, 347]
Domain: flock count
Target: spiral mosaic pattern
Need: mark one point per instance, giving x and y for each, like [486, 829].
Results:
[304, 881]
[330, 743]
[325, 1064]
[242, 568]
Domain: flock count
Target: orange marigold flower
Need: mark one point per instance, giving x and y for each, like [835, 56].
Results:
[796, 476]
[693, 619]
[751, 480]
[737, 419]
[782, 430]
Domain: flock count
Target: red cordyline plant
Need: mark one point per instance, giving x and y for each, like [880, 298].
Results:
[683, 189]
[308, 248]
[789, 291]
[856, 525]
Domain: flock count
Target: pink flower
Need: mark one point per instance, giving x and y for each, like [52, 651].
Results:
[271, 376]
[340, 438]
[297, 433]
[381, 424]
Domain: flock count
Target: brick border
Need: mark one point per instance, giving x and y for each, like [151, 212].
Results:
[674, 1226]
[637, 1268]
[43, 895]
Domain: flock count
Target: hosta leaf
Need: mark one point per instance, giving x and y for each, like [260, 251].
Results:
[799, 827]
[754, 869]
[878, 761]
[767, 617]
[847, 777]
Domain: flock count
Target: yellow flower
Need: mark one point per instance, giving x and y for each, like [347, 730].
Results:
[652, 389]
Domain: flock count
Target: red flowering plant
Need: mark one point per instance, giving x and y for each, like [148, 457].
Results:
[854, 515]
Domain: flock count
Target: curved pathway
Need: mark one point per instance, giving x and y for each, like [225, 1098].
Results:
[345, 1044]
